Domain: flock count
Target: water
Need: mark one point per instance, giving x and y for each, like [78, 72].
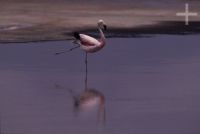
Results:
[150, 85]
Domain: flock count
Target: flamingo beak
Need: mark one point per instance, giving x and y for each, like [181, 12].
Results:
[105, 27]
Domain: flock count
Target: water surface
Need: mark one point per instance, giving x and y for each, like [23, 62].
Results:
[150, 85]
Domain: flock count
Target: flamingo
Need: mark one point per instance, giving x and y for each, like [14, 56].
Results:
[88, 43]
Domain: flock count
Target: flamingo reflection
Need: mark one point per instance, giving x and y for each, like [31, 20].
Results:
[90, 99]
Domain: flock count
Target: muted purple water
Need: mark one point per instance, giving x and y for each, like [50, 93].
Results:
[151, 85]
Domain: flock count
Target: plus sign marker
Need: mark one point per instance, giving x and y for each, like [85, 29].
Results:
[186, 14]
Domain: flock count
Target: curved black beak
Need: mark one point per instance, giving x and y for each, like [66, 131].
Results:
[105, 27]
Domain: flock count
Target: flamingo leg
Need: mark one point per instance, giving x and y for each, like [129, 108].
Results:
[69, 50]
[86, 70]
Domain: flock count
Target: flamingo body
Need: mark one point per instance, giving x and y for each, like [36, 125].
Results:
[90, 44]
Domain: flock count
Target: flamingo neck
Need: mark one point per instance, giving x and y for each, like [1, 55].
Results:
[102, 37]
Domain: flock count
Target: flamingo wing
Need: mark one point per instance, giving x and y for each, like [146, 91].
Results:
[88, 40]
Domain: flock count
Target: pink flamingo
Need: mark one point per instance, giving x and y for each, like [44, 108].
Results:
[88, 43]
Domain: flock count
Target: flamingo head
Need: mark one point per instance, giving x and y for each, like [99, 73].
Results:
[101, 24]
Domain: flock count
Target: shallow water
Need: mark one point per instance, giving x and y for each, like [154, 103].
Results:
[150, 85]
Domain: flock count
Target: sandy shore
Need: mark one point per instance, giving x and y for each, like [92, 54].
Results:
[43, 21]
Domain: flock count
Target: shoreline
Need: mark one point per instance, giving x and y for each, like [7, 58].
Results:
[144, 31]
[33, 21]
